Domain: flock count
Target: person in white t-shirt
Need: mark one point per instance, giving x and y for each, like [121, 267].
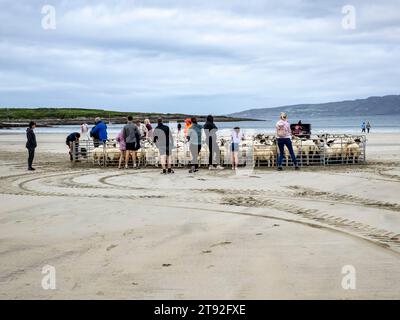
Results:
[85, 131]
[236, 137]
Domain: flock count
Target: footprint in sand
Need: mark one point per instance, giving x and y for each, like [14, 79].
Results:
[111, 247]
[128, 232]
[166, 265]
[206, 251]
[223, 243]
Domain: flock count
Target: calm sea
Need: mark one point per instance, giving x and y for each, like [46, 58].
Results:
[381, 124]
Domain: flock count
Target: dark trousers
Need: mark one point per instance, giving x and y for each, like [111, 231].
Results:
[282, 142]
[194, 151]
[31, 155]
[213, 148]
[74, 153]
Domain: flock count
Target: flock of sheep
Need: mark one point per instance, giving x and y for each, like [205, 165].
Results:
[318, 150]
[256, 150]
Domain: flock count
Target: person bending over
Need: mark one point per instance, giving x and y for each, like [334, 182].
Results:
[72, 142]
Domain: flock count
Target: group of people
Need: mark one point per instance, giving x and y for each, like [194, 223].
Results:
[133, 133]
[365, 126]
[164, 141]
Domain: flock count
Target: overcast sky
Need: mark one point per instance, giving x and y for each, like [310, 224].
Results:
[196, 56]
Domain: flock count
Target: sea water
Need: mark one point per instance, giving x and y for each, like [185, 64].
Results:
[350, 125]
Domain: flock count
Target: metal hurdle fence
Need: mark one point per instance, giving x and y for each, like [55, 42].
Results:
[327, 150]
[318, 150]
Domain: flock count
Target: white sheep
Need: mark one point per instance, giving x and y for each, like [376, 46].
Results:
[151, 155]
[113, 155]
[306, 147]
[98, 155]
[264, 153]
[353, 151]
[179, 157]
[334, 149]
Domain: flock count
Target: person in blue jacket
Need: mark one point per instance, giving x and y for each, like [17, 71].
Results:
[363, 126]
[99, 132]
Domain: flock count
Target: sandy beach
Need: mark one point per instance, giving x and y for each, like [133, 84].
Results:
[136, 234]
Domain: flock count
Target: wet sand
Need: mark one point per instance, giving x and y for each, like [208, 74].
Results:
[258, 234]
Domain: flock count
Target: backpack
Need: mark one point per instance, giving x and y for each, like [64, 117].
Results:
[281, 131]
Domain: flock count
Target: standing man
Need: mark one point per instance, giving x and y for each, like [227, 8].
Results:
[194, 138]
[31, 144]
[73, 139]
[164, 142]
[99, 132]
[210, 130]
[132, 140]
[363, 127]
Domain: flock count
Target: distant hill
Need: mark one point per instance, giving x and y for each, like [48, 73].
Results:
[13, 117]
[68, 113]
[387, 105]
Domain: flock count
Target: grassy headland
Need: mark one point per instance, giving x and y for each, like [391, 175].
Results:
[10, 117]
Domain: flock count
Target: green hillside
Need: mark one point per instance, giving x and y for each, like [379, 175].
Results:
[67, 113]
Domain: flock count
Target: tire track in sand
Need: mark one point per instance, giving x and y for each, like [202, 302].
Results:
[246, 198]
[384, 237]
[301, 192]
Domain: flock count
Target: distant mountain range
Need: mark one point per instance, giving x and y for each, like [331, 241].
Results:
[387, 105]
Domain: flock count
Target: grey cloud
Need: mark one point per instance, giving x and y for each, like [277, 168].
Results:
[183, 55]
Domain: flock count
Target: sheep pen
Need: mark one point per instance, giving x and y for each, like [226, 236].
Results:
[259, 150]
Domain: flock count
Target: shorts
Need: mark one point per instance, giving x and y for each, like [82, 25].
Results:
[235, 147]
[132, 146]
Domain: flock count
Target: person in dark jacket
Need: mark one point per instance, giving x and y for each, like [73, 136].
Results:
[368, 126]
[99, 132]
[132, 140]
[210, 131]
[164, 142]
[31, 144]
[298, 129]
[71, 141]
